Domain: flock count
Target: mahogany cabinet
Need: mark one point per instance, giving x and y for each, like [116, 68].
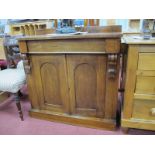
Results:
[73, 78]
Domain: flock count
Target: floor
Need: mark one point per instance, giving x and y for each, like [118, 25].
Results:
[10, 124]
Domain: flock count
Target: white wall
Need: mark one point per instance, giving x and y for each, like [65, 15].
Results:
[3, 22]
[123, 22]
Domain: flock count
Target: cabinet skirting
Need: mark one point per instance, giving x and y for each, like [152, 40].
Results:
[74, 120]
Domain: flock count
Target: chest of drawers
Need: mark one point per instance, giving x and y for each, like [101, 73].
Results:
[139, 98]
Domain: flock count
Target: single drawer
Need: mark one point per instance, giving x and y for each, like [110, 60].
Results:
[60, 46]
[144, 109]
[74, 46]
[145, 85]
[146, 61]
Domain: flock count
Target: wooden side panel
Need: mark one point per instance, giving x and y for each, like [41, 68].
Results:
[87, 84]
[51, 82]
[32, 89]
[130, 80]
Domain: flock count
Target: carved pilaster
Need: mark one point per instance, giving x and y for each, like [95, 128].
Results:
[112, 65]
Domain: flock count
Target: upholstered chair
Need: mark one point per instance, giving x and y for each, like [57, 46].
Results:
[12, 80]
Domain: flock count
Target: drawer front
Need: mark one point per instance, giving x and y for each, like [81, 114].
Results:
[144, 109]
[145, 79]
[146, 61]
[144, 94]
[145, 85]
[77, 45]
[87, 45]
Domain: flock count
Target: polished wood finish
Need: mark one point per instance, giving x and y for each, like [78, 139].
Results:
[86, 72]
[130, 81]
[107, 34]
[23, 46]
[112, 81]
[139, 99]
[67, 46]
[74, 120]
[52, 89]
[70, 79]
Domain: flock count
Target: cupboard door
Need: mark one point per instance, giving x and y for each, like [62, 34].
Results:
[86, 76]
[51, 82]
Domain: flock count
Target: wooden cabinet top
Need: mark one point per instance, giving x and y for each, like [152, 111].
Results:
[73, 36]
[137, 40]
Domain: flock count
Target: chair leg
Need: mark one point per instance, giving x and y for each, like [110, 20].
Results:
[20, 93]
[17, 99]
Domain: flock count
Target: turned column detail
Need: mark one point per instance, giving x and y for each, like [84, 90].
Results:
[112, 65]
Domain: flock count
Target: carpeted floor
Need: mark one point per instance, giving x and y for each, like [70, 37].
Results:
[10, 123]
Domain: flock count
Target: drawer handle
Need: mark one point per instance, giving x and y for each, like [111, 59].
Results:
[153, 111]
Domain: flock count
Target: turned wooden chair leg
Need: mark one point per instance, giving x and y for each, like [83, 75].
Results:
[17, 99]
[20, 93]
